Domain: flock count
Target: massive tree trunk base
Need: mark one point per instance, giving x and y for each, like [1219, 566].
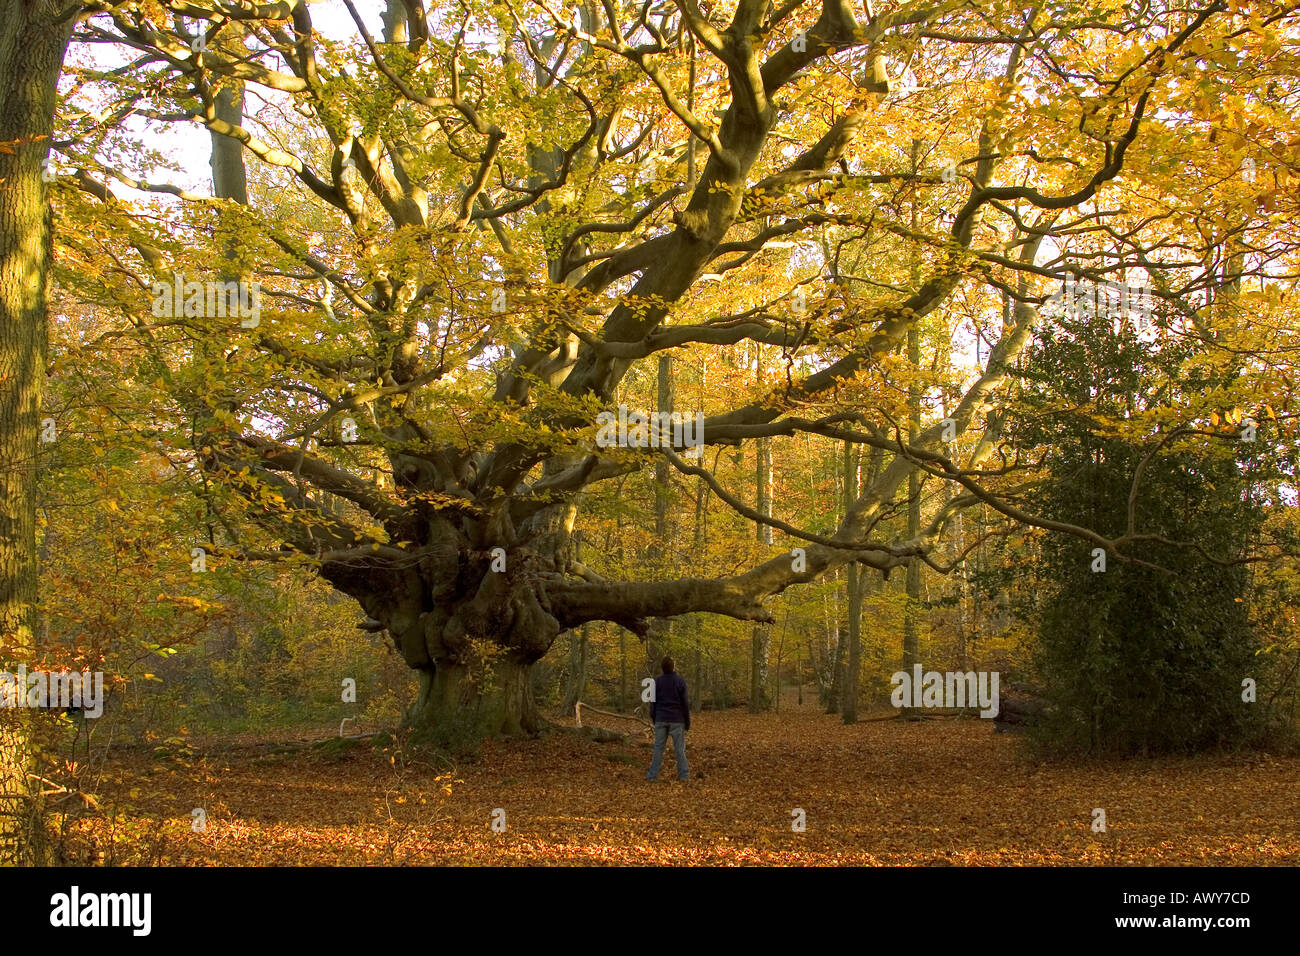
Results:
[458, 708]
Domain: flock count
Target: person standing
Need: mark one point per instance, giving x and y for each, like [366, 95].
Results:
[671, 713]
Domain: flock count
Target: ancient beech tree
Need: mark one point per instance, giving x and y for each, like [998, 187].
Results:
[472, 223]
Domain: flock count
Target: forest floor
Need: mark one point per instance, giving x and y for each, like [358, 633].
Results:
[932, 792]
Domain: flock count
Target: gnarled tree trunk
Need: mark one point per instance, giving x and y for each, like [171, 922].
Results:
[471, 622]
[461, 703]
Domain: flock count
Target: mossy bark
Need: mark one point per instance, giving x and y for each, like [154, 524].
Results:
[32, 43]
[459, 706]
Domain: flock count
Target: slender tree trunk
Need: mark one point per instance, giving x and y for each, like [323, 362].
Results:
[32, 46]
[798, 671]
[697, 685]
[853, 631]
[578, 644]
[911, 640]
[577, 667]
[911, 636]
[963, 602]
[835, 699]
[665, 405]
[229, 176]
[823, 655]
[394, 21]
[780, 653]
[836, 690]
[698, 541]
[762, 634]
[659, 638]
[622, 669]
[853, 666]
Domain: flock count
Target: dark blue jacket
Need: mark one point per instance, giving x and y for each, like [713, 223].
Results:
[670, 705]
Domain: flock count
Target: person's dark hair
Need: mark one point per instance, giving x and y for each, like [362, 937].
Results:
[668, 665]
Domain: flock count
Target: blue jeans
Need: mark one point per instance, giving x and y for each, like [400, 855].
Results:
[662, 730]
